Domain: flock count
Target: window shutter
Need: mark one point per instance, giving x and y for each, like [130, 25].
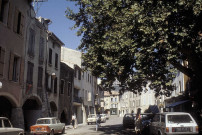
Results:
[21, 71]
[22, 24]
[2, 54]
[11, 66]
[0, 5]
[10, 15]
[15, 26]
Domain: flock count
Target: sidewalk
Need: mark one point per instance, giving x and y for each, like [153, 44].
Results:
[77, 126]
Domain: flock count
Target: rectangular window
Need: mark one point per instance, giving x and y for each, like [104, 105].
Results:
[75, 72]
[56, 60]
[30, 70]
[40, 76]
[79, 77]
[62, 84]
[10, 15]
[15, 69]
[69, 88]
[50, 56]
[55, 85]
[3, 9]
[18, 22]
[41, 50]
[31, 42]
[2, 54]
[89, 96]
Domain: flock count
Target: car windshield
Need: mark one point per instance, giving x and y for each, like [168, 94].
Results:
[91, 116]
[43, 121]
[179, 119]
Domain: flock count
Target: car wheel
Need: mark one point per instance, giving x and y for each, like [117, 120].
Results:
[63, 130]
[52, 132]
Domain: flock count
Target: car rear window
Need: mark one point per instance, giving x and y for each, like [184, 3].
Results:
[179, 119]
[91, 116]
[43, 121]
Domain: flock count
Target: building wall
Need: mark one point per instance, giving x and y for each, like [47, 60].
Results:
[34, 100]
[111, 102]
[12, 37]
[83, 84]
[53, 71]
[65, 97]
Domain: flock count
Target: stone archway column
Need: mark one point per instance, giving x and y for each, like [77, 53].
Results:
[17, 117]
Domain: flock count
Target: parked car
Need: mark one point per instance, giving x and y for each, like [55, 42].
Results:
[129, 120]
[6, 128]
[170, 123]
[107, 116]
[91, 118]
[103, 118]
[49, 125]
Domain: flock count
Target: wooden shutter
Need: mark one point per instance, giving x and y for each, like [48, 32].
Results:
[10, 15]
[21, 71]
[0, 6]
[2, 54]
[10, 72]
[22, 24]
[15, 25]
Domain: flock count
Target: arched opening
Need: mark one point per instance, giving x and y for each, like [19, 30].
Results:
[32, 111]
[5, 107]
[63, 118]
[53, 109]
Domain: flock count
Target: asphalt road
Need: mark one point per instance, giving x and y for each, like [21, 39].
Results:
[113, 126]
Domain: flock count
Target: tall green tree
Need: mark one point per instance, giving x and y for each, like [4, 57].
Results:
[141, 41]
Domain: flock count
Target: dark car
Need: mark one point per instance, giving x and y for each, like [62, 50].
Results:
[129, 120]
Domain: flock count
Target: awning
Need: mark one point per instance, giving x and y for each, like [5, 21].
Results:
[176, 103]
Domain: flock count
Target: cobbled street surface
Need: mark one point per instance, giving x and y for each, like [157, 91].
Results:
[113, 126]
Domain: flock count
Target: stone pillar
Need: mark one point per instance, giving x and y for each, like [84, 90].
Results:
[17, 118]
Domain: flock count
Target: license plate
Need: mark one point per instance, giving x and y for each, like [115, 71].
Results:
[183, 129]
[37, 129]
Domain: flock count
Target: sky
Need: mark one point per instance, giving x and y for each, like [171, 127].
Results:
[60, 26]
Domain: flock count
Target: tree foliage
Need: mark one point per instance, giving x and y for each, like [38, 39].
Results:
[140, 41]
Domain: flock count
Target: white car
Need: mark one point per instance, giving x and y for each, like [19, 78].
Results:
[6, 128]
[103, 118]
[173, 123]
[91, 118]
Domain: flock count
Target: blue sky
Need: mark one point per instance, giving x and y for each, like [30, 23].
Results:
[55, 11]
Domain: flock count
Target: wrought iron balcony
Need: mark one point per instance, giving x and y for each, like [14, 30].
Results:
[77, 99]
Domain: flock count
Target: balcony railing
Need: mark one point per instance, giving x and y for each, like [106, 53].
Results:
[77, 99]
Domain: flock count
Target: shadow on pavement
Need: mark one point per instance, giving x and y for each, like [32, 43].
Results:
[115, 130]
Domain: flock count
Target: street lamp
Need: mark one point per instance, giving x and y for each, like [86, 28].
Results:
[53, 76]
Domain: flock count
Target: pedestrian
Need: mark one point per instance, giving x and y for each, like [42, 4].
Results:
[76, 122]
[73, 121]
[138, 121]
[98, 121]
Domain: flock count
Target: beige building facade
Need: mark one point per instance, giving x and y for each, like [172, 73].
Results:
[85, 85]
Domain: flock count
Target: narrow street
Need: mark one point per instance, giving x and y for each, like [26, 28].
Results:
[113, 126]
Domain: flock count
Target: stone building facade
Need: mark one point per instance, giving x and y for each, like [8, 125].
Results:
[66, 88]
[111, 102]
[13, 28]
[84, 85]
